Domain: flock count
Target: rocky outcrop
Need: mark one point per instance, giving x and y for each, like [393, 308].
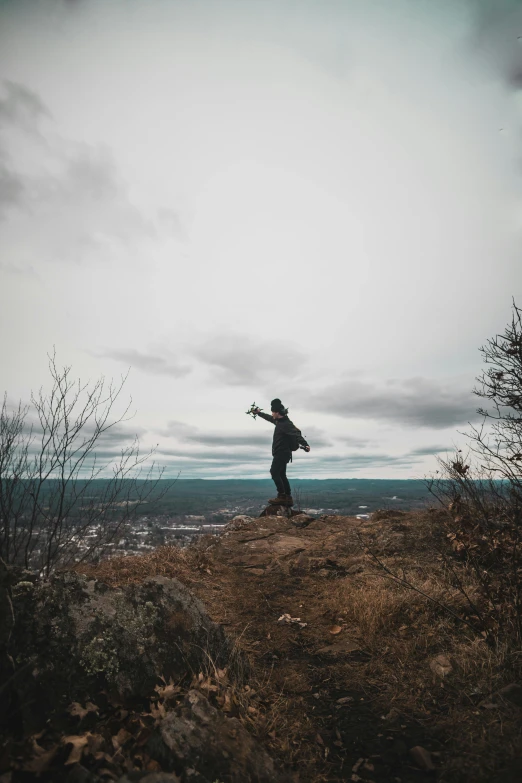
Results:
[75, 641]
[78, 637]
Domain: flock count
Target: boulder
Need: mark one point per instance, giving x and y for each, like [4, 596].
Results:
[76, 637]
[201, 744]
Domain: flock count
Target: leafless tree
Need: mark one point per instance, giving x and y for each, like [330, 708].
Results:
[490, 475]
[65, 493]
[482, 488]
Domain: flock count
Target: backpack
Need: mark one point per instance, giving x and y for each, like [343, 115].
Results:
[293, 440]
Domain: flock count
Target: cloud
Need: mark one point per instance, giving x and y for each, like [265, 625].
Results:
[225, 457]
[239, 360]
[496, 35]
[12, 188]
[21, 106]
[263, 438]
[349, 440]
[365, 460]
[190, 434]
[234, 359]
[72, 192]
[150, 363]
[429, 451]
[414, 402]
[205, 463]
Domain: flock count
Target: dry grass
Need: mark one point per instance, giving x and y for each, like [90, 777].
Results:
[171, 561]
[403, 631]
[400, 631]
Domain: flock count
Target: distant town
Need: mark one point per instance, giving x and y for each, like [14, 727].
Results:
[207, 506]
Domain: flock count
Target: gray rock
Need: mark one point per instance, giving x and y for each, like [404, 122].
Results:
[422, 758]
[80, 637]
[197, 737]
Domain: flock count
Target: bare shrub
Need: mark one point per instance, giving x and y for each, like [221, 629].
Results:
[54, 509]
[482, 489]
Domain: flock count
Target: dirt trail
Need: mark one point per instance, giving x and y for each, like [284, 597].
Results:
[329, 721]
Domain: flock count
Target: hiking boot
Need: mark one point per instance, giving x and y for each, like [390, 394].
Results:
[287, 500]
[281, 499]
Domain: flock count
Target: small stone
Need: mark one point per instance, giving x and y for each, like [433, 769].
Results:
[422, 757]
[441, 665]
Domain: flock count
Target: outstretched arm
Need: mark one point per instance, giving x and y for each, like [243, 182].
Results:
[264, 416]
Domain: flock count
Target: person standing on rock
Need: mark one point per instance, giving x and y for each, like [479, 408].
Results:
[287, 438]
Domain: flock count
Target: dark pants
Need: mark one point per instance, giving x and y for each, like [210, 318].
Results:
[278, 471]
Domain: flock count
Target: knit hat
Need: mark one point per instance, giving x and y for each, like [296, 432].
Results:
[277, 405]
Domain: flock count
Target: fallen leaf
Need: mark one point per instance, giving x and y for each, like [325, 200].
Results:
[119, 740]
[286, 618]
[41, 758]
[143, 736]
[78, 743]
[335, 629]
[107, 773]
[76, 709]
[95, 743]
[158, 711]
[167, 691]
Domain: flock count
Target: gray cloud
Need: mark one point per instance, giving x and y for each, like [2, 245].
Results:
[190, 434]
[12, 188]
[234, 359]
[239, 360]
[262, 438]
[350, 440]
[497, 36]
[148, 362]
[214, 455]
[429, 451]
[415, 402]
[171, 222]
[21, 106]
[200, 462]
[76, 199]
[365, 460]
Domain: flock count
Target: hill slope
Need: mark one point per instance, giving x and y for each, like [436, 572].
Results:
[354, 677]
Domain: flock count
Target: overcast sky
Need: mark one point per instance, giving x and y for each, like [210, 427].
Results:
[319, 200]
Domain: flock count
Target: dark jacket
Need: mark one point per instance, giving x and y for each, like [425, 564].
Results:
[283, 428]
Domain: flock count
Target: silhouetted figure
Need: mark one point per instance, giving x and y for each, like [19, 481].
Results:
[287, 438]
